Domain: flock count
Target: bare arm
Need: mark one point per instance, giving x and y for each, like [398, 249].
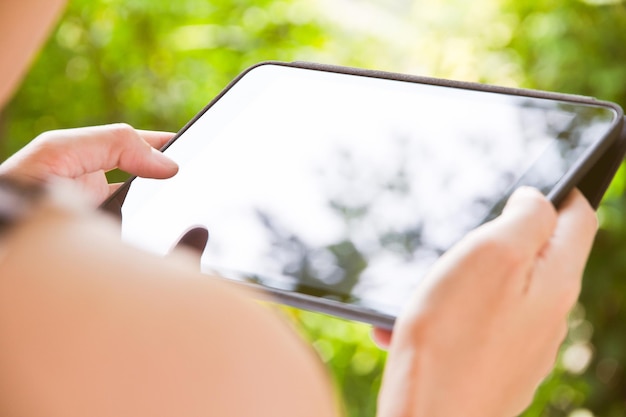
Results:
[25, 25]
[93, 327]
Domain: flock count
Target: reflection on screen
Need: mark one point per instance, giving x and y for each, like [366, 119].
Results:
[349, 187]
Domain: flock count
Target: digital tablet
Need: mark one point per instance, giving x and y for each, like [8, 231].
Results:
[336, 189]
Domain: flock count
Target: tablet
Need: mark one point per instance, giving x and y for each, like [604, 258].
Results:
[336, 189]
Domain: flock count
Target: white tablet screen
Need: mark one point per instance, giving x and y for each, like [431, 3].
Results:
[350, 187]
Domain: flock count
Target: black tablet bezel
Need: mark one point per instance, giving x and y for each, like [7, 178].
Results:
[593, 174]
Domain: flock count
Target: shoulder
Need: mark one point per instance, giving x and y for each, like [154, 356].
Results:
[94, 323]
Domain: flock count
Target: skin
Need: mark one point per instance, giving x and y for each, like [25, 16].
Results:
[93, 327]
[85, 154]
[492, 312]
[25, 26]
[485, 328]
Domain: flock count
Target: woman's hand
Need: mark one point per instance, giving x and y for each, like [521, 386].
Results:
[85, 154]
[485, 326]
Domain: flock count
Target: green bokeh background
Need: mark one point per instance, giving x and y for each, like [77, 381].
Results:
[155, 63]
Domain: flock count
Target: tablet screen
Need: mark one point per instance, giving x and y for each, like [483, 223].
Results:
[349, 187]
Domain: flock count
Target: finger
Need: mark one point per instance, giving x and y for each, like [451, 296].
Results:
[113, 187]
[498, 255]
[114, 146]
[575, 231]
[527, 222]
[577, 225]
[156, 139]
[570, 246]
[127, 150]
[381, 337]
[72, 153]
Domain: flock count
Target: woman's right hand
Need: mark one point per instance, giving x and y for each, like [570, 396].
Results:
[484, 328]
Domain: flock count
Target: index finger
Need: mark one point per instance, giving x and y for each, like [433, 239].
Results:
[526, 224]
[562, 263]
[573, 236]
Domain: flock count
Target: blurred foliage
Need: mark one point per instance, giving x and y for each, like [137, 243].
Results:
[154, 64]
[151, 64]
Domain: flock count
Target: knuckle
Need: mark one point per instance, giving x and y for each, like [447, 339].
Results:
[45, 138]
[124, 138]
[500, 263]
[47, 147]
[507, 254]
[121, 129]
[121, 126]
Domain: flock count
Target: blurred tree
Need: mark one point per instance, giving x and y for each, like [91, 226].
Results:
[151, 64]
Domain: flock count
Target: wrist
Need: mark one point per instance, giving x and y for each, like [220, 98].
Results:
[21, 201]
